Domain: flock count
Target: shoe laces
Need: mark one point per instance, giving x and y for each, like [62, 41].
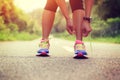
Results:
[79, 45]
[44, 44]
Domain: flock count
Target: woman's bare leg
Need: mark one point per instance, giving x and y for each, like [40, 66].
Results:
[77, 23]
[47, 23]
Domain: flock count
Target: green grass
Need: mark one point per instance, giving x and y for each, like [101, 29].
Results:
[108, 39]
[66, 36]
[26, 36]
[17, 36]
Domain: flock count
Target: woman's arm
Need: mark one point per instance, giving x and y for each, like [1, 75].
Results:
[88, 7]
[86, 20]
[63, 7]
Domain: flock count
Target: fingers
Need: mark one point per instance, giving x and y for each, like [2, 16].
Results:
[86, 32]
[70, 30]
[70, 26]
[86, 29]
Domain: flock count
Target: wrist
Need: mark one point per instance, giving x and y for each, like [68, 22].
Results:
[67, 19]
[87, 19]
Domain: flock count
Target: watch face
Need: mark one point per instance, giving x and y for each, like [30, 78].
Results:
[87, 18]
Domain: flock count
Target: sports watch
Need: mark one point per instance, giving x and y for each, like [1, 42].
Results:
[87, 19]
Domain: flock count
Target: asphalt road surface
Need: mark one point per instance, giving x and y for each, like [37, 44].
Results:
[18, 61]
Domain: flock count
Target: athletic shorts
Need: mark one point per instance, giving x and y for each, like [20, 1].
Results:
[51, 5]
[75, 4]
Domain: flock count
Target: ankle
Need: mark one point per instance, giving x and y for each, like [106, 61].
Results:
[44, 40]
[79, 42]
[44, 44]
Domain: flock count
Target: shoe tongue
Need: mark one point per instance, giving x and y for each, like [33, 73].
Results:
[44, 40]
[79, 42]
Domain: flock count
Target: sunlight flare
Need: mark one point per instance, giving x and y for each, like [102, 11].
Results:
[30, 5]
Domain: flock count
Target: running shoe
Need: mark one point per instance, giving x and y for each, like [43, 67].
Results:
[79, 48]
[44, 48]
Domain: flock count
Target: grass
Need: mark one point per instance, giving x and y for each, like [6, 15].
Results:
[17, 36]
[27, 36]
[108, 39]
[66, 36]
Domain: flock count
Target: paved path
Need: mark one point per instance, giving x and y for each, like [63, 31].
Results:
[18, 62]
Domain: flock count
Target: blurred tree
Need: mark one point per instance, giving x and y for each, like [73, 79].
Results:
[13, 27]
[108, 8]
[10, 14]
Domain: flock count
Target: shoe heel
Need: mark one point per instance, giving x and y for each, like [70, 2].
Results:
[80, 56]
